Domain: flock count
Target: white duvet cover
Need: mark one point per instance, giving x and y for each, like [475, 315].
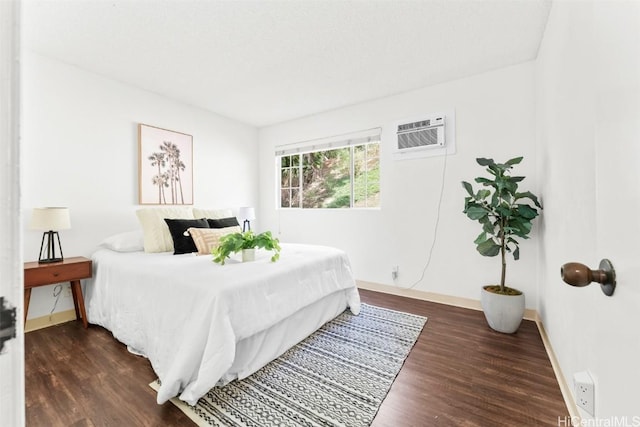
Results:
[186, 313]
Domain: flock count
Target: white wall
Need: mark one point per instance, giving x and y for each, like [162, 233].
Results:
[588, 109]
[80, 149]
[494, 118]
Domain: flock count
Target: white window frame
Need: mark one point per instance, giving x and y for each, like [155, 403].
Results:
[350, 140]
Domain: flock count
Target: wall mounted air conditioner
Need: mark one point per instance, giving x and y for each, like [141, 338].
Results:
[421, 134]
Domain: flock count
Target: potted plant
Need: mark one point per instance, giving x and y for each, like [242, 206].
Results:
[246, 242]
[506, 215]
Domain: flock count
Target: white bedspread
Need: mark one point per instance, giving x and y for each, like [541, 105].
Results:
[186, 313]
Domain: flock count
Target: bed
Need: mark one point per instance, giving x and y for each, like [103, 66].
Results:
[201, 324]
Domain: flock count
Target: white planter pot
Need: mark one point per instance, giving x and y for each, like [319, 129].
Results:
[248, 255]
[503, 312]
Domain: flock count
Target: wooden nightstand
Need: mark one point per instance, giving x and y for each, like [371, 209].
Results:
[70, 269]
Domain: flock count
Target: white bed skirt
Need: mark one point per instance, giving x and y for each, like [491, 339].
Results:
[254, 352]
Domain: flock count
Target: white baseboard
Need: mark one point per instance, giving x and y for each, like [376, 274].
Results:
[529, 314]
[46, 321]
[473, 304]
[562, 382]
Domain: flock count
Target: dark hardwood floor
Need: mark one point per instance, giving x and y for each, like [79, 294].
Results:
[460, 373]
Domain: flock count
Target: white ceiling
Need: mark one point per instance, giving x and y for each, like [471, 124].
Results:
[264, 62]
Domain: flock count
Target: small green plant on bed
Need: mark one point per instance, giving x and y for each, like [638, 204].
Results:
[236, 242]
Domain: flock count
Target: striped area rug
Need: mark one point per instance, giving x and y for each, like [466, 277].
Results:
[338, 376]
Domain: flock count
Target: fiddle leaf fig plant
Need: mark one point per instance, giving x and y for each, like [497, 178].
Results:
[504, 212]
[236, 242]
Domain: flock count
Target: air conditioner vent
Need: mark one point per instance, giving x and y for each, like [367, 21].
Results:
[414, 125]
[421, 134]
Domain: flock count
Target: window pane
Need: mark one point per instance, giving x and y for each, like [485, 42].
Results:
[285, 181]
[295, 160]
[284, 198]
[295, 178]
[366, 186]
[295, 198]
[285, 161]
[326, 179]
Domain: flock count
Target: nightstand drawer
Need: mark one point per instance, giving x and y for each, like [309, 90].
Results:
[56, 273]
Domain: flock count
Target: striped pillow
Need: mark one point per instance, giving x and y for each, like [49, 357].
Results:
[208, 238]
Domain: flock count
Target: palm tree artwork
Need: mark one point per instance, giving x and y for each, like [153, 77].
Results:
[165, 167]
[172, 153]
[157, 159]
[169, 165]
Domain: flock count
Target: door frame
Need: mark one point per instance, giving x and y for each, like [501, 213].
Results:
[12, 380]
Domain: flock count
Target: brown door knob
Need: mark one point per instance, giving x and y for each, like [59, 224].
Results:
[579, 275]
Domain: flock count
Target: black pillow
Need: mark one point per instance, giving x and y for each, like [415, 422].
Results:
[184, 244]
[222, 222]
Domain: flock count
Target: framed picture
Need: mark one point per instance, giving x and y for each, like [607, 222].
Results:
[165, 169]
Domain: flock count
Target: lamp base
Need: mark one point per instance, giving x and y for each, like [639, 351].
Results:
[48, 253]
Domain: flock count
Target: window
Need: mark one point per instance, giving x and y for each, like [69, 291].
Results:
[342, 172]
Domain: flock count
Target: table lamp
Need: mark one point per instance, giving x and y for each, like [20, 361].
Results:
[248, 214]
[50, 220]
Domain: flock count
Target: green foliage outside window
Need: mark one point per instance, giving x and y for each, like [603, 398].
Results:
[339, 178]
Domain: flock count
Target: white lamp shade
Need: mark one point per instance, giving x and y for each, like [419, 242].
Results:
[50, 219]
[247, 213]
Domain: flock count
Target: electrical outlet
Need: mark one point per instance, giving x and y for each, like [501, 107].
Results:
[585, 391]
[67, 291]
[394, 272]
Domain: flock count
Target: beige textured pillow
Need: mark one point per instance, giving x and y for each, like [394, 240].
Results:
[212, 213]
[157, 237]
[208, 238]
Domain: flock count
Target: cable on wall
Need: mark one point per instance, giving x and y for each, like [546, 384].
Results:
[57, 291]
[435, 227]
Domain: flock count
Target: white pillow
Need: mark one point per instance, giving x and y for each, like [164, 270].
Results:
[130, 241]
[212, 213]
[157, 237]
